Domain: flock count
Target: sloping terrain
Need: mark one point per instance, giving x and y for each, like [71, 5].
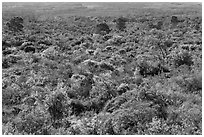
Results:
[102, 68]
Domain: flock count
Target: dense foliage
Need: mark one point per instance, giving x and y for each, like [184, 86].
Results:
[127, 75]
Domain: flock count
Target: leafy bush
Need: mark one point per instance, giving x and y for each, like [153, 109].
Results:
[183, 58]
[128, 121]
[187, 118]
[56, 105]
[158, 25]
[11, 96]
[151, 68]
[10, 60]
[51, 53]
[120, 23]
[81, 85]
[15, 24]
[174, 19]
[102, 28]
[31, 121]
[191, 84]
[114, 104]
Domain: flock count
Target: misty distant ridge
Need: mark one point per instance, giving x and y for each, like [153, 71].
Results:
[98, 8]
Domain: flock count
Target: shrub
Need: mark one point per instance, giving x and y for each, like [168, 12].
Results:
[120, 23]
[129, 121]
[51, 53]
[56, 103]
[66, 70]
[158, 25]
[11, 96]
[96, 104]
[10, 60]
[106, 66]
[100, 94]
[76, 107]
[5, 44]
[30, 49]
[158, 127]
[114, 104]
[158, 101]
[174, 19]
[90, 65]
[81, 85]
[26, 44]
[32, 122]
[122, 88]
[15, 24]
[7, 129]
[187, 117]
[190, 84]
[151, 68]
[5, 63]
[98, 122]
[102, 28]
[168, 43]
[183, 58]
[9, 51]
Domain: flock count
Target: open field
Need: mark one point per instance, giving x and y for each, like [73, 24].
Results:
[102, 68]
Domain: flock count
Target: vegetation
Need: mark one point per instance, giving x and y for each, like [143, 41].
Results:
[131, 74]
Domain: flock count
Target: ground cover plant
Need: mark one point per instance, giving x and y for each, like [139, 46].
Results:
[74, 69]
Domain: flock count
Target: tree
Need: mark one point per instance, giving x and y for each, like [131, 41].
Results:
[15, 24]
[102, 28]
[121, 23]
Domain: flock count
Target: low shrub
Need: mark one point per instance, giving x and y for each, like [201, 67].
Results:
[128, 121]
[56, 104]
[102, 28]
[183, 58]
[151, 68]
[190, 84]
[15, 24]
[121, 23]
